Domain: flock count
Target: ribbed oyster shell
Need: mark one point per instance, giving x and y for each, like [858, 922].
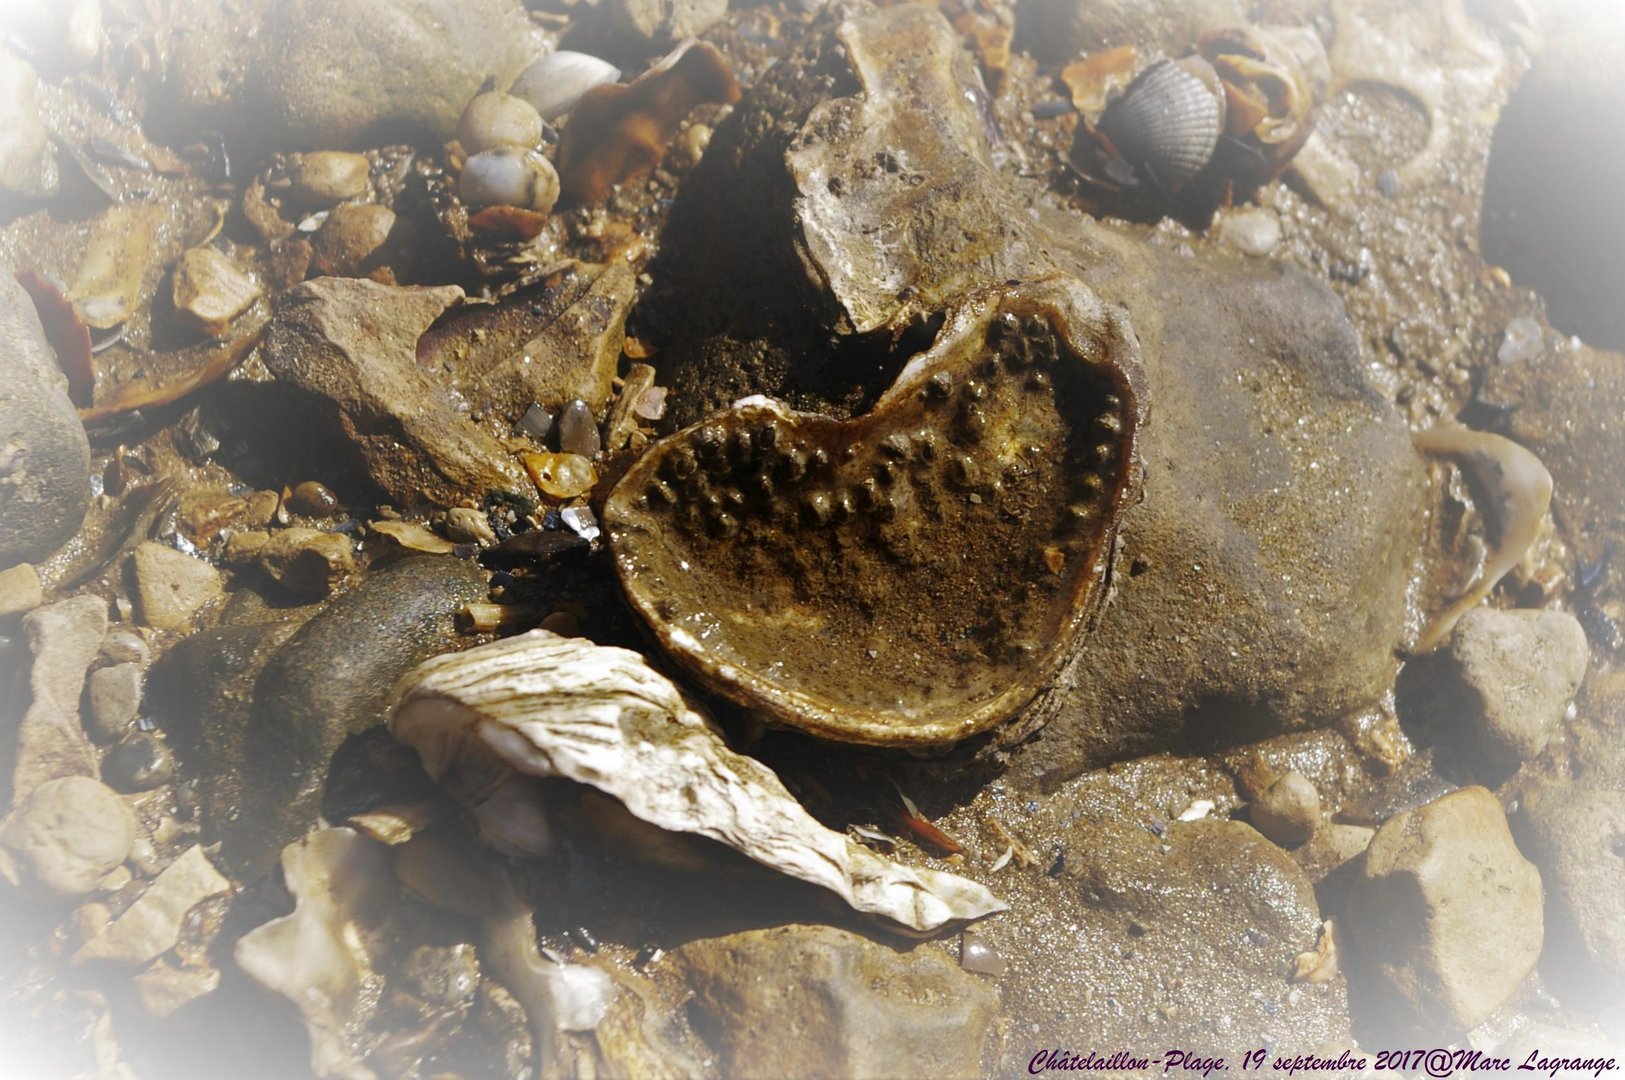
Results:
[914, 575]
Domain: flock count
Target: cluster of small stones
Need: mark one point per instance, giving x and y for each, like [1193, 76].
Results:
[938, 545]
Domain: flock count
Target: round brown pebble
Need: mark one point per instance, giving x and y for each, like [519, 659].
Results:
[353, 241]
[327, 177]
[313, 498]
[1287, 811]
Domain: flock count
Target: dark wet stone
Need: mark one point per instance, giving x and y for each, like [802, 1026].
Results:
[200, 692]
[112, 699]
[330, 680]
[140, 762]
[578, 431]
[44, 454]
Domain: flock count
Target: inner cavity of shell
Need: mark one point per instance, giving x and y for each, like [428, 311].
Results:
[910, 576]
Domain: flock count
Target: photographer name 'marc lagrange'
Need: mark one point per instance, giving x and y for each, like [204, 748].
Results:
[1436, 1062]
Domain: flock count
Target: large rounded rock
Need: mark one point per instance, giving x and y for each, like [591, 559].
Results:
[1183, 939]
[65, 837]
[811, 1001]
[325, 73]
[1517, 671]
[1446, 912]
[1261, 581]
[1058, 31]
[1576, 834]
[44, 454]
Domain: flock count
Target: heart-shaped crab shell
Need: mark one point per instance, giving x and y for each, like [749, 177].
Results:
[910, 576]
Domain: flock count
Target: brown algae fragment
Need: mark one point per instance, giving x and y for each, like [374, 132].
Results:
[889, 579]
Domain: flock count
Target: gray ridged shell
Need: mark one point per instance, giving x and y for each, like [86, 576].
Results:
[1166, 123]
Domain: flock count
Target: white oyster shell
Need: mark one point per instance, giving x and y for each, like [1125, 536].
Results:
[551, 706]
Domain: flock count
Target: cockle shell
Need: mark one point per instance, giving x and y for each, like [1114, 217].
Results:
[556, 82]
[1168, 121]
[914, 575]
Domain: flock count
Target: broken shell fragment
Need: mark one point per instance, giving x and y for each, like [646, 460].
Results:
[891, 579]
[1274, 81]
[556, 997]
[509, 176]
[209, 290]
[557, 81]
[496, 119]
[487, 720]
[618, 132]
[315, 956]
[110, 282]
[1513, 490]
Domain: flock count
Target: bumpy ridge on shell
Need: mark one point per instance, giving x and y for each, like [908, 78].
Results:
[914, 575]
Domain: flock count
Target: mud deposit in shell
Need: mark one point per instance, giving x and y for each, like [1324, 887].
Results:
[913, 575]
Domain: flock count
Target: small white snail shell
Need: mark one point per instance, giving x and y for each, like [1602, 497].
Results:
[557, 81]
[498, 119]
[509, 176]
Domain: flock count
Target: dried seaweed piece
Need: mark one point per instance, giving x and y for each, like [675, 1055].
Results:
[1513, 490]
[915, 575]
[616, 132]
[133, 396]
